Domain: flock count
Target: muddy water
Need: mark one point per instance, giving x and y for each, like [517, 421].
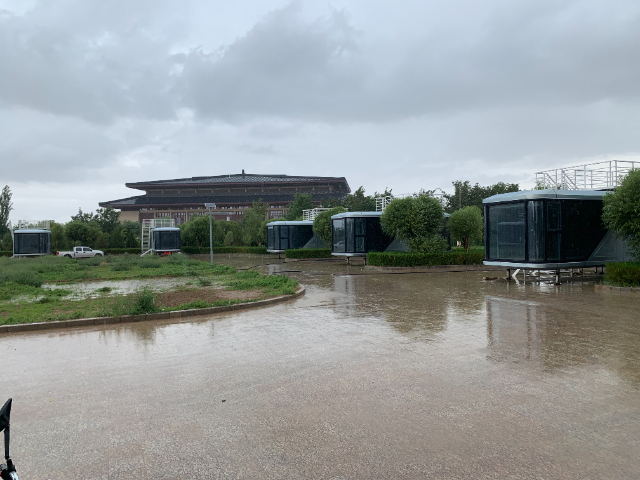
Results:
[367, 376]
[98, 288]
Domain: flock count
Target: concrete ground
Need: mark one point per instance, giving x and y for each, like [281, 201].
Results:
[410, 376]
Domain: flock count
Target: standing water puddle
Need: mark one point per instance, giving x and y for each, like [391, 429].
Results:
[110, 287]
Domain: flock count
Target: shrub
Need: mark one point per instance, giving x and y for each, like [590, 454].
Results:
[121, 267]
[21, 277]
[624, 274]
[416, 220]
[119, 251]
[402, 259]
[466, 225]
[149, 262]
[308, 253]
[621, 211]
[93, 262]
[144, 302]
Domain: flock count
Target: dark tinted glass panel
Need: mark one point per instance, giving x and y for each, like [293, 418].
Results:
[350, 236]
[553, 215]
[375, 239]
[30, 243]
[360, 226]
[167, 240]
[506, 232]
[360, 244]
[270, 242]
[535, 239]
[338, 235]
[299, 235]
[276, 237]
[582, 228]
[553, 246]
[284, 237]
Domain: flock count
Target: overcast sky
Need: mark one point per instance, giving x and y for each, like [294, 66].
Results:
[405, 94]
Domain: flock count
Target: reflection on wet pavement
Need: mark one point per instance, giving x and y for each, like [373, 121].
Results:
[367, 376]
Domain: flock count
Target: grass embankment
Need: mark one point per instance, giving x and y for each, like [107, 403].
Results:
[623, 274]
[23, 300]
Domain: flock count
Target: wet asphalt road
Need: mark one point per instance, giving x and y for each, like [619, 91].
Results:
[367, 376]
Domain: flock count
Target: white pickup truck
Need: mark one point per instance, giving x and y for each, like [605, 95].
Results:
[81, 252]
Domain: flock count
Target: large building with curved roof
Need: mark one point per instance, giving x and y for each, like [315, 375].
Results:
[183, 198]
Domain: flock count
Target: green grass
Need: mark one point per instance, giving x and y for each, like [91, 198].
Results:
[623, 274]
[35, 271]
[23, 300]
[271, 285]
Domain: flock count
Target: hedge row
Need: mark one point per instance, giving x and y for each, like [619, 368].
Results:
[203, 250]
[119, 251]
[402, 259]
[6, 253]
[308, 253]
[624, 274]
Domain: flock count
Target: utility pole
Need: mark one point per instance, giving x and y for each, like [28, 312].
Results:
[210, 206]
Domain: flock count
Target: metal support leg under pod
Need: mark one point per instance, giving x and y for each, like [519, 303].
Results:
[557, 282]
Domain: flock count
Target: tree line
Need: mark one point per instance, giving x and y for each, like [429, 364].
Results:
[417, 219]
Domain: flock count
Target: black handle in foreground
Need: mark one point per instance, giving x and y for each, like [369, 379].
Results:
[5, 415]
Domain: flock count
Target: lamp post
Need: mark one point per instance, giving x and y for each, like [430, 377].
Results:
[210, 206]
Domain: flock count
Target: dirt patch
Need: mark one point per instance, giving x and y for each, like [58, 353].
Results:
[211, 294]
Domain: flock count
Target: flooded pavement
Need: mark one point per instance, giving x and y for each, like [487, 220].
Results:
[368, 376]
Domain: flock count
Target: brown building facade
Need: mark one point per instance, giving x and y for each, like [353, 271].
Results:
[183, 198]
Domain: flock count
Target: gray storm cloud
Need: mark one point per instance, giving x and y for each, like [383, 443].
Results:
[96, 92]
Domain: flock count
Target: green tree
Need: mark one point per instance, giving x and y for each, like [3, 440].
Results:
[58, 240]
[466, 195]
[417, 221]
[359, 202]
[232, 234]
[254, 224]
[356, 201]
[5, 209]
[302, 201]
[131, 232]
[6, 242]
[322, 223]
[107, 219]
[621, 211]
[466, 225]
[76, 233]
[195, 232]
[82, 217]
